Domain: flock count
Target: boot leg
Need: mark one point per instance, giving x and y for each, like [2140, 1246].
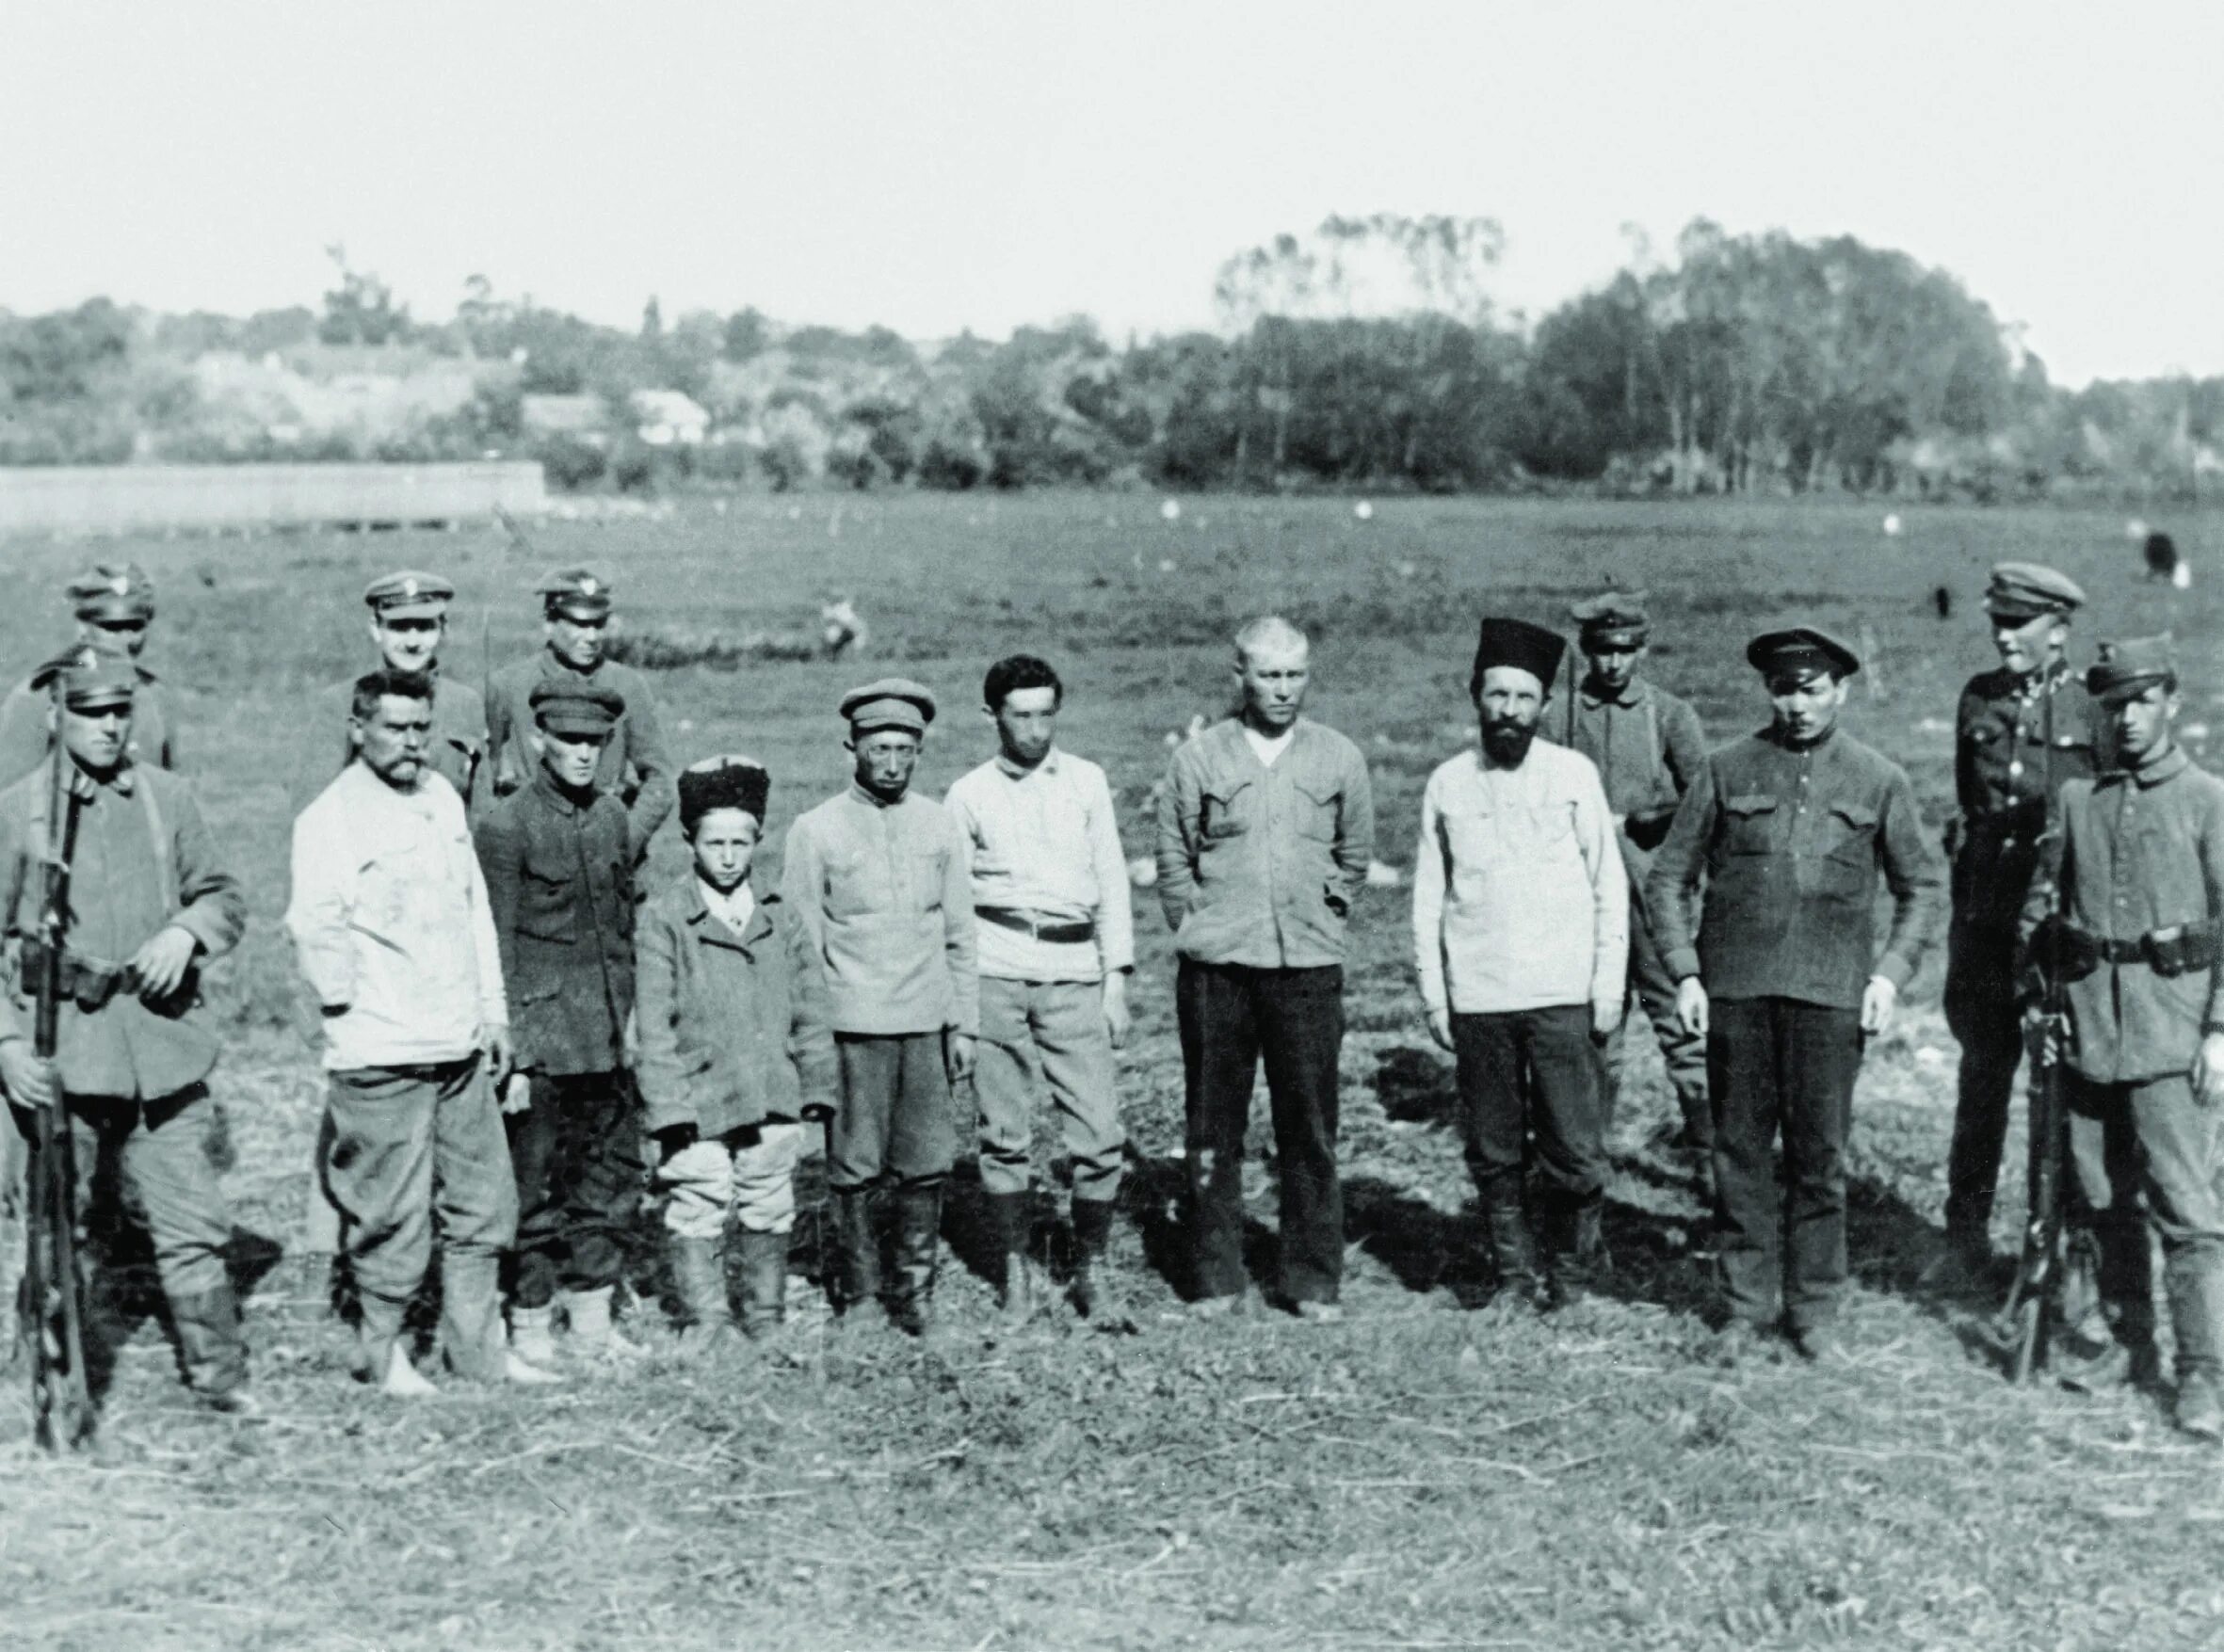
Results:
[470, 1315]
[532, 1336]
[763, 1281]
[594, 1329]
[1512, 1246]
[1010, 1219]
[856, 1281]
[698, 1269]
[918, 1250]
[1092, 1234]
[214, 1350]
[1586, 1265]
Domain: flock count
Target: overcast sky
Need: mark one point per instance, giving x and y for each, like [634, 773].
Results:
[980, 164]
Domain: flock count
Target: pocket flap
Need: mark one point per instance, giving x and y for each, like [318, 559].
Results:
[1858, 815]
[1750, 803]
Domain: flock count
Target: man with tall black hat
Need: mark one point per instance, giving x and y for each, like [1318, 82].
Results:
[1781, 974]
[1647, 746]
[637, 766]
[2021, 732]
[114, 604]
[1521, 935]
[2132, 896]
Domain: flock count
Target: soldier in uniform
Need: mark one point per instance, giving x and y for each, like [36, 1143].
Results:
[559, 880]
[2131, 893]
[636, 767]
[1647, 746]
[115, 607]
[1781, 975]
[149, 903]
[2021, 734]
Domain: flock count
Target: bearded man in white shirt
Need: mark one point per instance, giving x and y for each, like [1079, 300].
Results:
[1521, 935]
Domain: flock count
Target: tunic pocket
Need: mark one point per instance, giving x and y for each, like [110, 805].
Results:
[1225, 810]
[1848, 849]
[1748, 824]
[1316, 812]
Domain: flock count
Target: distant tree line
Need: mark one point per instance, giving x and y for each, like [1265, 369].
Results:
[1367, 353]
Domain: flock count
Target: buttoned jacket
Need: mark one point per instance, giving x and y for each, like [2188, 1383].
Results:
[636, 767]
[2017, 742]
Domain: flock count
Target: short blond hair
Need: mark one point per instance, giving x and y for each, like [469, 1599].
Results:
[1268, 629]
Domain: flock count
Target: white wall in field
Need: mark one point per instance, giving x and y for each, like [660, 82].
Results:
[112, 498]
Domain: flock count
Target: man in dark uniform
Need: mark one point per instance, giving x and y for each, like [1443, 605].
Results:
[1782, 977]
[637, 766]
[115, 606]
[2134, 886]
[2021, 734]
[149, 903]
[558, 865]
[1647, 746]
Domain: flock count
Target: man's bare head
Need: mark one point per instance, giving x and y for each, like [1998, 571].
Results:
[1272, 668]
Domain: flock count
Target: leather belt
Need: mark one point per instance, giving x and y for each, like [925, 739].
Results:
[1064, 931]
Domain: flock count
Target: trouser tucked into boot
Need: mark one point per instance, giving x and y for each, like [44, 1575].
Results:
[210, 1338]
[918, 1249]
[763, 1281]
[1012, 1221]
[1092, 1234]
[698, 1272]
[855, 1277]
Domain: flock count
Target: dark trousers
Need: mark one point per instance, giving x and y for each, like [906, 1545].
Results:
[1533, 1070]
[897, 1118]
[1982, 1014]
[1775, 1063]
[1232, 1015]
[1653, 989]
[577, 1153]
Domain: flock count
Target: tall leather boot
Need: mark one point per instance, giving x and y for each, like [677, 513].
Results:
[918, 1249]
[699, 1270]
[1092, 1234]
[214, 1350]
[1584, 1265]
[856, 1280]
[763, 1281]
[1010, 1219]
[1521, 1284]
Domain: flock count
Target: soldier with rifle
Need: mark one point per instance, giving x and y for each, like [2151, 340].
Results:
[106, 1045]
[2127, 909]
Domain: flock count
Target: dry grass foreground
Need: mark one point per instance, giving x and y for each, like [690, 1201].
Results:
[1418, 1476]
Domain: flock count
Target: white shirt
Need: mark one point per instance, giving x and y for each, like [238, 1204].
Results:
[1269, 746]
[1519, 897]
[1045, 841]
[733, 907]
[391, 924]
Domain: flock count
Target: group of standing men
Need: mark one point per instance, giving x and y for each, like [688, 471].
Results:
[519, 1036]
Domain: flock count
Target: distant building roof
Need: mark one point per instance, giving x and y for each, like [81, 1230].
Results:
[669, 415]
[573, 415]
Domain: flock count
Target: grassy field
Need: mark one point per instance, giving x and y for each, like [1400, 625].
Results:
[1415, 1477]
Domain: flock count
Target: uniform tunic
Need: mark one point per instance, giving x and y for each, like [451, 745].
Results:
[637, 766]
[23, 736]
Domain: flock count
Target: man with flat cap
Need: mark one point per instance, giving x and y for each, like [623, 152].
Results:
[2128, 900]
[2021, 732]
[114, 604]
[1266, 825]
[149, 905]
[1647, 746]
[637, 766]
[560, 868]
[1520, 935]
[877, 875]
[1782, 977]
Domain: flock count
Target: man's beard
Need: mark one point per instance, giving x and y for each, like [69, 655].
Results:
[1507, 742]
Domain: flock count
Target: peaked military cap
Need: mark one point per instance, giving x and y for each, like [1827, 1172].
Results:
[1517, 643]
[88, 678]
[2025, 590]
[1613, 618]
[2131, 667]
[113, 590]
[1802, 651]
[723, 782]
[575, 707]
[578, 593]
[893, 702]
[409, 594]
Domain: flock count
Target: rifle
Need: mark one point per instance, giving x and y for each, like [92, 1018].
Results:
[53, 1288]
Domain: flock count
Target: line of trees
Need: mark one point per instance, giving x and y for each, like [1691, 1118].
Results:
[1366, 353]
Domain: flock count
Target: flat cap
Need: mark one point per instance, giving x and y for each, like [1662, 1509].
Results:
[578, 592]
[2131, 667]
[88, 678]
[409, 593]
[580, 707]
[893, 702]
[1802, 651]
[1519, 644]
[113, 590]
[2025, 590]
[1615, 618]
[723, 782]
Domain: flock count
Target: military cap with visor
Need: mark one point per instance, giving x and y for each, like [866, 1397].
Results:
[893, 702]
[90, 680]
[113, 590]
[409, 594]
[1802, 651]
[723, 782]
[1613, 619]
[575, 708]
[575, 593]
[2021, 591]
[1519, 644]
[2131, 667]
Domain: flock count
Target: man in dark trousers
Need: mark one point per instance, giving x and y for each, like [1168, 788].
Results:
[1266, 825]
[558, 864]
[1647, 746]
[1781, 974]
[2134, 886]
[2021, 732]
